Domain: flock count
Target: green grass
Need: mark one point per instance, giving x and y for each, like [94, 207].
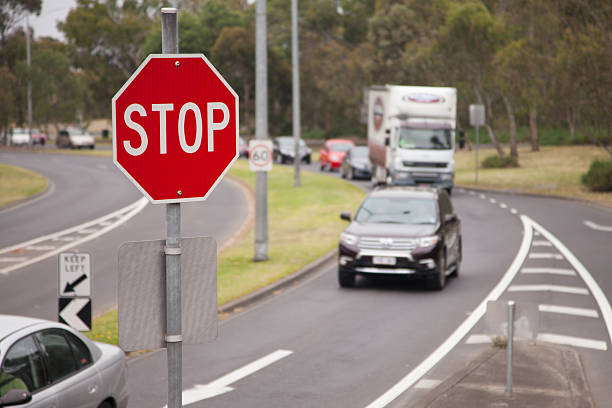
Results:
[17, 184]
[304, 224]
[546, 136]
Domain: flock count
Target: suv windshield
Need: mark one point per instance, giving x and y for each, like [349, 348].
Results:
[397, 210]
[412, 138]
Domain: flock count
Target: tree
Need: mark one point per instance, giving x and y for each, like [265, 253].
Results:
[12, 12]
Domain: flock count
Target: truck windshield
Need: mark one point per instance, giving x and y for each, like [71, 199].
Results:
[412, 138]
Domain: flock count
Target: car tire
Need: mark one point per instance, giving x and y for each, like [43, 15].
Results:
[346, 279]
[308, 159]
[342, 172]
[458, 261]
[322, 167]
[438, 281]
[105, 404]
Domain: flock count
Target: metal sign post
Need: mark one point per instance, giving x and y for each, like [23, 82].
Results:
[296, 92]
[477, 119]
[174, 338]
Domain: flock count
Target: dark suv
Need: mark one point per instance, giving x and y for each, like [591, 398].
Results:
[402, 231]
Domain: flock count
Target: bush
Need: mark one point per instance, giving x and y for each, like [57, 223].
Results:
[313, 133]
[498, 162]
[599, 176]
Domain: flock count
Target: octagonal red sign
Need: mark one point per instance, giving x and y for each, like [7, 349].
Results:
[175, 127]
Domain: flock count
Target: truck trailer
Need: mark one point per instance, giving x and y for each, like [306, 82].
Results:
[411, 135]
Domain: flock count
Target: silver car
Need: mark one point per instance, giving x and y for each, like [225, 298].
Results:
[48, 364]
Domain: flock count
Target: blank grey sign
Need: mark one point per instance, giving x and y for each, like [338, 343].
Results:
[477, 115]
[142, 306]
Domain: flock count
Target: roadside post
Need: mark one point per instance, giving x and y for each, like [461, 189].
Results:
[509, 347]
[477, 119]
[295, 62]
[175, 136]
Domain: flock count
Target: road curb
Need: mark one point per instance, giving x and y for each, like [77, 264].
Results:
[266, 291]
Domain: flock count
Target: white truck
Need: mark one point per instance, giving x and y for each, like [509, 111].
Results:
[411, 134]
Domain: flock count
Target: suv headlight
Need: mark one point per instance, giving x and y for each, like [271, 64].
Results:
[349, 239]
[428, 241]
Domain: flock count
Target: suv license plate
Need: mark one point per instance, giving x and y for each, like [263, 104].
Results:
[383, 260]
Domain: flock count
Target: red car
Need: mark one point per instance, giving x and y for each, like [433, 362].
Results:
[332, 153]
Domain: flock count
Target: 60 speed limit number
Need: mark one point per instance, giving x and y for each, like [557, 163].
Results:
[260, 155]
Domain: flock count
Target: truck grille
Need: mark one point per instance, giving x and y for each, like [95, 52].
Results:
[424, 164]
[396, 244]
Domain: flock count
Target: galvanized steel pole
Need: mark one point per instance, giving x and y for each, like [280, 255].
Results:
[174, 337]
[261, 130]
[296, 91]
[29, 65]
[509, 347]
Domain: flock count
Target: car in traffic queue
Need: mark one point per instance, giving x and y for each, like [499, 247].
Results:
[20, 137]
[243, 148]
[75, 138]
[402, 231]
[356, 163]
[47, 364]
[332, 153]
[283, 150]
[38, 137]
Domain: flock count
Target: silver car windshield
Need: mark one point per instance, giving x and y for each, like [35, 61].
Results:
[431, 139]
[396, 210]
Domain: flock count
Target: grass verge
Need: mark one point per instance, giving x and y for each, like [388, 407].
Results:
[17, 184]
[304, 224]
[554, 171]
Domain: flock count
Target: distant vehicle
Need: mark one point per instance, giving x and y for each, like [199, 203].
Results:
[75, 139]
[356, 163]
[52, 365]
[332, 153]
[411, 135]
[243, 148]
[20, 137]
[283, 149]
[38, 137]
[402, 231]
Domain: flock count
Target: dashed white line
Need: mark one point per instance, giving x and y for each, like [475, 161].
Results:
[492, 200]
[542, 243]
[482, 196]
[513, 211]
[472, 193]
[552, 271]
[549, 288]
[597, 227]
[503, 205]
[427, 384]
[574, 311]
[545, 255]
[478, 339]
[573, 341]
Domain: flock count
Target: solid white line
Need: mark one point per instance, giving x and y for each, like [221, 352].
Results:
[548, 288]
[39, 247]
[573, 341]
[427, 384]
[553, 271]
[544, 255]
[250, 368]
[131, 209]
[64, 239]
[574, 311]
[9, 259]
[598, 294]
[438, 354]
[597, 227]
[541, 243]
[86, 231]
[478, 339]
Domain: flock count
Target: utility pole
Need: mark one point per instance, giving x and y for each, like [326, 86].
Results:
[29, 64]
[296, 91]
[261, 130]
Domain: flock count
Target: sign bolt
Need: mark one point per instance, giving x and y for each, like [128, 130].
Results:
[177, 63]
[179, 193]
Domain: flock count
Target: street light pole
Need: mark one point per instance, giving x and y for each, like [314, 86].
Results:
[29, 64]
[296, 91]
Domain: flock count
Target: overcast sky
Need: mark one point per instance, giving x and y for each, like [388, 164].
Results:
[52, 11]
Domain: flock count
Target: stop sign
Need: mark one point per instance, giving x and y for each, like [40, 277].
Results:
[175, 127]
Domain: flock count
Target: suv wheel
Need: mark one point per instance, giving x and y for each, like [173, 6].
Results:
[346, 279]
[438, 281]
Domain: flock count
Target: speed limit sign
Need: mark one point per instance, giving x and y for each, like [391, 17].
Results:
[260, 155]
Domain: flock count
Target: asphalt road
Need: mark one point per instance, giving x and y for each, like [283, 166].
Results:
[86, 188]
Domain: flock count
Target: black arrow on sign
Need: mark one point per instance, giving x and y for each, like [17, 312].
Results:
[70, 286]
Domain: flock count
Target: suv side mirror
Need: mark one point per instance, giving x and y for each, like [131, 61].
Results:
[345, 216]
[387, 141]
[15, 397]
[450, 218]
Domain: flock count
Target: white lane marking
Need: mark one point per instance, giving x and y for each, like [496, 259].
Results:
[482, 196]
[553, 271]
[573, 341]
[542, 243]
[478, 339]
[87, 231]
[513, 211]
[10, 259]
[548, 288]
[597, 227]
[106, 223]
[545, 255]
[64, 239]
[574, 311]
[125, 214]
[503, 205]
[427, 384]
[464, 328]
[39, 247]
[598, 294]
[222, 385]
[536, 234]
[492, 200]
[472, 193]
